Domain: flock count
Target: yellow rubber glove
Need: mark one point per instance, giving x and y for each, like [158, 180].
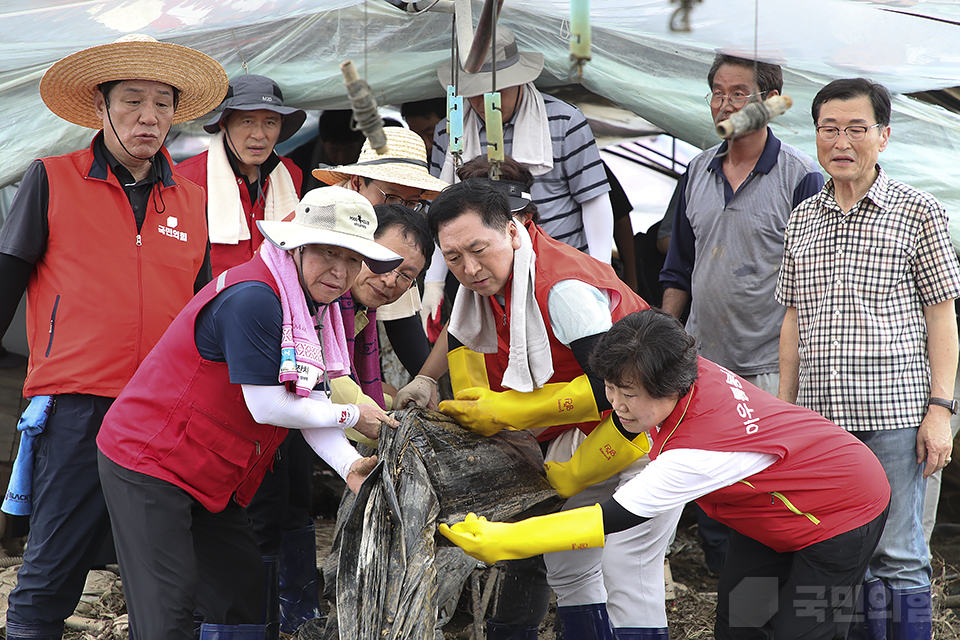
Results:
[603, 454]
[493, 541]
[344, 390]
[486, 412]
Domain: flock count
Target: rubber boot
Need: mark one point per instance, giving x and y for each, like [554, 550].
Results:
[299, 598]
[911, 614]
[270, 612]
[585, 622]
[231, 631]
[870, 617]
[497, 631]
[641, 633]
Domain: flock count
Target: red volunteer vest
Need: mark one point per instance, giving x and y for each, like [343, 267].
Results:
[826, 482]
[557, 261]
[224, 256]
[181, 419]
[102, 294]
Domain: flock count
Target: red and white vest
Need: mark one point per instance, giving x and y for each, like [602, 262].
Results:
[181, 419]
[826, 482]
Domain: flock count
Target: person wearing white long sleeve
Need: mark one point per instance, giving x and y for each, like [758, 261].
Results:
[185, 446]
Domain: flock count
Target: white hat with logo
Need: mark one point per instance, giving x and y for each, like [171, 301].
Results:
[334, 216]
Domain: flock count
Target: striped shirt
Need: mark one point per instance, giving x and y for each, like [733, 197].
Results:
[859, 281]
[577, 175]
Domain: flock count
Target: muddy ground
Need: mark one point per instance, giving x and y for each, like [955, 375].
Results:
[690, 613]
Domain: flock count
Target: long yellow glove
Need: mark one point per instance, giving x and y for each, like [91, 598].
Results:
[493, 541]
[344, 390]
[603, 454]
[486, 412]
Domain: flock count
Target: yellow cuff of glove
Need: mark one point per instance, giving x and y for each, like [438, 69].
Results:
[603, 454]
[491, 542]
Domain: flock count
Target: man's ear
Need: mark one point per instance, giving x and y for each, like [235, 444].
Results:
[515, 231]
[99, 104]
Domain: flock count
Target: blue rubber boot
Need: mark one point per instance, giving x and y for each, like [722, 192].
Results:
[497, 631]
[641, 633]
[585, 622]
[870, 619]
[270, 612]
[232, 631]
[299, 596]
[911, 614]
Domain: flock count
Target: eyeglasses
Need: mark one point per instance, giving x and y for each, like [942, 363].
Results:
[392, 198]
[854, 133]
[402, 280]
[736, 99]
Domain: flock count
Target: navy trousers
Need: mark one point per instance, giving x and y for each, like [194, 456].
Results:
[69, 526]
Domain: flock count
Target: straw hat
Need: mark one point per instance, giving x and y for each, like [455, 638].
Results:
[404, 163]
[337, 216]
[513, 68]
[69, 84]
[252, 93]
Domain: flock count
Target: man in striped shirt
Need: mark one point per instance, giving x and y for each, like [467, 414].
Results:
[546, 134]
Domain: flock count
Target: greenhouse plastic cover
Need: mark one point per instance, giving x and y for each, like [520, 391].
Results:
[637, 61]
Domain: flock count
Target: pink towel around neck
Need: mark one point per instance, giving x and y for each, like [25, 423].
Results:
[303, 360]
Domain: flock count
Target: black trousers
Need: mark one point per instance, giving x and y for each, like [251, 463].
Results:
[282, 502]
[69, 527]
[810, 593]
[177, 557]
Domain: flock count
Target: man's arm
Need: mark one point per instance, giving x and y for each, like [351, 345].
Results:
[675, 301]
[790, 357]
[934, 438]
[598, 227]
[681, 253]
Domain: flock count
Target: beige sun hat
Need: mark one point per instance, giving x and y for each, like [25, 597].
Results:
[337, 216]
[513, 68]
[404, 163]
[69, 84]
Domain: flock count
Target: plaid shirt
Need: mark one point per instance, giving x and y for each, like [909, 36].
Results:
[860, 282]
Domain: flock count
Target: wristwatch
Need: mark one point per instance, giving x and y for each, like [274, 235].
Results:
[946, 404]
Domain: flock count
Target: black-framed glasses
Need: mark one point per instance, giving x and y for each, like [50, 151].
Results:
[392, 198]
[736, 99]
[403, 280]
[854, 133]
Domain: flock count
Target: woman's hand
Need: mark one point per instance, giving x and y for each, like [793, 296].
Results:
[371, 416]
[359, 471]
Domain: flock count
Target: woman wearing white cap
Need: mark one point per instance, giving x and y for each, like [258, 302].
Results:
[186, 444]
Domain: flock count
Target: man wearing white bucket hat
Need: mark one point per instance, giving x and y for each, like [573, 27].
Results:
[109, 244]
[546, 134]
[185, 446]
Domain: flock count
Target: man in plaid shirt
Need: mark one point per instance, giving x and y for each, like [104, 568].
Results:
[869, 339]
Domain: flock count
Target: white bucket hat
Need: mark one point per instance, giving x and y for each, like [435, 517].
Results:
[335, 216]
[404, 163]
[68, 86]
[514, 68]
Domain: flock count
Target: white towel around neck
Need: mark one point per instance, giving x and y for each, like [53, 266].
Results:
[225, 217]
[532, 144]
[530, 363]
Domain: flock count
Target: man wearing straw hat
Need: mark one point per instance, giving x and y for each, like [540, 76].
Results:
[399, 176]
[245, 179]
[185, 446]
[109, 244]
[544, 133]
